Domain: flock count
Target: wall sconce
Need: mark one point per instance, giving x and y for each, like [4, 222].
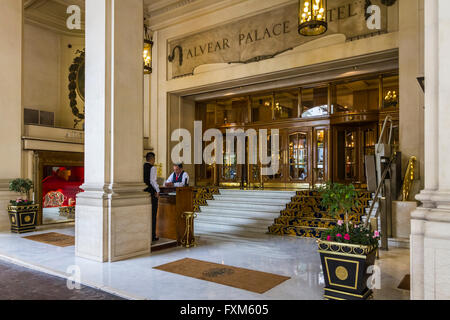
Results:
[147, 54]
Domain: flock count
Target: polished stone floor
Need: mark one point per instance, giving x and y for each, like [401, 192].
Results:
[19, 283]
[136, 279]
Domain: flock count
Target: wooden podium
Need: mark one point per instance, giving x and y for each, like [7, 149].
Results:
[173, 202]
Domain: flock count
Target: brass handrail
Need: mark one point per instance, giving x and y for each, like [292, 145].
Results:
[409, 178]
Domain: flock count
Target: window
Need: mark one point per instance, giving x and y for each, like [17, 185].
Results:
[286, 104]
[355, 96]
[390, 91]
[314, 102]
[232, 111]
[262, 108]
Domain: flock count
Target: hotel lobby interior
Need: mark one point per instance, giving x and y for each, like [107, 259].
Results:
[226, 149]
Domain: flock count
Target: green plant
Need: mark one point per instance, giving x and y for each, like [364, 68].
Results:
[22, 186]
[339, 198]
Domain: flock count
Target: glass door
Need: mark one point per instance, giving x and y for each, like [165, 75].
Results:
[299, 155]
[369, 139]
[278, 176]
[230, 171]
[320, 155]
[350, 155]
[351, 145]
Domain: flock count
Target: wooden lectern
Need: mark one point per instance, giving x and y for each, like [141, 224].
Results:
[173, 202]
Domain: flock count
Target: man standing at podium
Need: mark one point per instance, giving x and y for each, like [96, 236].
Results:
[150, 174]
[178, 178]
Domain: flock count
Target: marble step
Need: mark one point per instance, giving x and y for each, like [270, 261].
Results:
[234, 221]
[259, 193]
[248, 214]
[240, 213]
[206, 227]
[245, 206]
[252, 199]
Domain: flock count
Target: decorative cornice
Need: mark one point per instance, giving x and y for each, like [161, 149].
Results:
[170, 14]
[159, 8]
[51, 15]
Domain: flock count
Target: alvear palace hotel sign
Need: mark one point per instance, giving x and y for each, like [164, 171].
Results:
[265, 35]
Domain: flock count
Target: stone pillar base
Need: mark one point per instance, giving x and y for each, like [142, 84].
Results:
[401, 218]
[430, 254]
[112, 227]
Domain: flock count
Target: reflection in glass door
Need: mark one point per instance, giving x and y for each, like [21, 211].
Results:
[278, 175]
[229, 167]
[350, 155]
[320, 152]
[298, 156]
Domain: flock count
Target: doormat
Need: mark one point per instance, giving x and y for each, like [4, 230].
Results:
[53, 238]
[405, 284]
[250, 280]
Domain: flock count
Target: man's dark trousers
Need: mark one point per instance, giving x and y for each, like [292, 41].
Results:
[154, 214]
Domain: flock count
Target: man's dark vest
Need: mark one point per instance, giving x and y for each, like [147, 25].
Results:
[180, 178]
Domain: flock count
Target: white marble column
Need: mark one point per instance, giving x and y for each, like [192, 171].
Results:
[430, 224]
[113, 215]
[11, 30]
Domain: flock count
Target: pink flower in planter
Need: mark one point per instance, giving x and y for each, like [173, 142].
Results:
[339, 235]
[376, 234]
[328, 238]
[347, 237]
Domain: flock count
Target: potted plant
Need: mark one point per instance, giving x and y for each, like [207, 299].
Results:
[346, 250]
[22, 212]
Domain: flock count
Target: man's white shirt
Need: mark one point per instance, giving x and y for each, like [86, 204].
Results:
[184, 181]
[153, 177]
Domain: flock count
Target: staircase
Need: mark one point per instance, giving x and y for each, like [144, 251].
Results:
[241, 213]
[304, 216]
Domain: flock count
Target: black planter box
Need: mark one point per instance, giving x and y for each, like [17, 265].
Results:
[345, 270]
[23, 218]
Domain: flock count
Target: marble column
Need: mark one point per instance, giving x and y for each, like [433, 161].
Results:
[430, 224]
[410, 39]
[113, 215]
[11, 30]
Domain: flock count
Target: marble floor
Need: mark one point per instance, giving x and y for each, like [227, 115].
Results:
[135, 279]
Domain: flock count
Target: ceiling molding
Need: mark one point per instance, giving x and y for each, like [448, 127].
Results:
[52, 15]
[185, 10]
[162, 7]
